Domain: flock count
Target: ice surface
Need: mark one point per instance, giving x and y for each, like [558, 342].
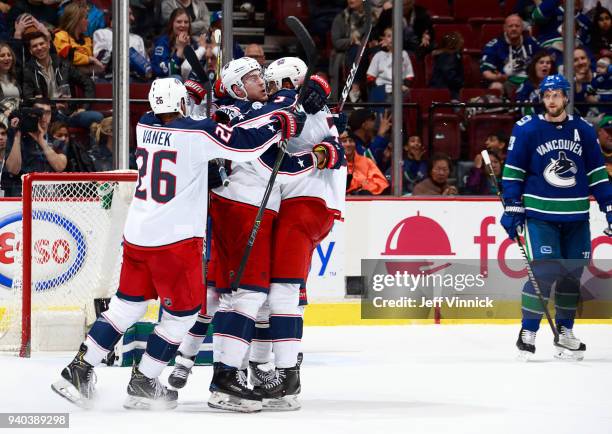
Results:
[405, 379]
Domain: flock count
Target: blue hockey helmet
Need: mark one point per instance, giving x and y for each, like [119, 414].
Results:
[554, 82]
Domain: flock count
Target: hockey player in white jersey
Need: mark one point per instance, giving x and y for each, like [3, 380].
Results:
[163, 239]
[307, 213]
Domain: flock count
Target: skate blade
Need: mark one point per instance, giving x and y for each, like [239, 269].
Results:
[142, 403]
[67, 390]
[524, 356]
[570, 355]
[223, 401]
[286, 403]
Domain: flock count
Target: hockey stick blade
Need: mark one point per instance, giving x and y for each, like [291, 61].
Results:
[310, 49]
[196, 66]
[355, 66]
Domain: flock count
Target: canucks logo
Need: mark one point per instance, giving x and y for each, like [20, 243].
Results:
[561, 172]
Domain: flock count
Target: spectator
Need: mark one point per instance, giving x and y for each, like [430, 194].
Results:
[414, 166]
[541, 65]
[601, 32]
[364, 177]
[504, 59]
[380, 71]
[216, 22]
[583, 78]
[478, 180]
[605, 141]
[26, 24]
[368, 142]
[101, 152]
[140, 65]
[602, 87]
[72, 44]
[48, 76]
[448, 64]
[548, 16]
[197, 10]
[95, 16]
[256, 52]
[168, 52]
[36, 152]
[42, 11]
[347, 30]
[418, 33]
[10, 147]
[322, 14]
[9, 85]
[436, 183]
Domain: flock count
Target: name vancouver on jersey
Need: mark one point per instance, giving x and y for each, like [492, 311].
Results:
[554, 167]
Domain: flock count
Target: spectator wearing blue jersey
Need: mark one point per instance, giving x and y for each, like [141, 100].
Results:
[548, 16]
[540, 67]
[602, 86]
[504, 59]
[168, 49]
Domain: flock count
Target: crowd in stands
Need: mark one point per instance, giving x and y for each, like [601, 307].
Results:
[467, 51]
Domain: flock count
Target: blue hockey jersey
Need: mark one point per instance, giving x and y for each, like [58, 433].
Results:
[554, 167]
[549, 16]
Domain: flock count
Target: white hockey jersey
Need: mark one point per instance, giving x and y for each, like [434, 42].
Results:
[328, 185]
[171, 199]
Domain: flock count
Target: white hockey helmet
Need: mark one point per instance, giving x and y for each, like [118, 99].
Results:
[234, 70]
[292, 68]
[167, 96]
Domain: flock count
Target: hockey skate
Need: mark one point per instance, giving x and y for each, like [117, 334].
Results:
[230, 391]
[182, 369]
[260, 373]
[526, 344]
[146, 393]
[280, 393]
[78, 380]
[569, 346]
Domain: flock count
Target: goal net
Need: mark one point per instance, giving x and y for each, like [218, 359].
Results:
[67, 252]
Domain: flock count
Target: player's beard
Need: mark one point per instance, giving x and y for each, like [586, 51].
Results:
[556, 113]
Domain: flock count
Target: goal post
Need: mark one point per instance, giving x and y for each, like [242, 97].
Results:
[67, 253]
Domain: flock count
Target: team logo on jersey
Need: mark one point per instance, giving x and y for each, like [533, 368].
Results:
[561, 172]
[256, 105]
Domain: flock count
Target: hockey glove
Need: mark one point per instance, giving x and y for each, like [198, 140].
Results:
[315, 95]
[219, 90]
[290, 123]
[340, 121]
[334, 154]
[608, 231]
[195, 90]
[513, 219]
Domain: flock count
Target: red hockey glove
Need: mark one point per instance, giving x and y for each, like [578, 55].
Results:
[334, 154]
[195, 90]
[290, 123]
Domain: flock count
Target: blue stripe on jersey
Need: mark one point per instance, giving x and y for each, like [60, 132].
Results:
[104, 334]
[237, 325]
[285, 327]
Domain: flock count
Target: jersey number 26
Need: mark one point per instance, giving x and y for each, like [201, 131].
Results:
[157, 176]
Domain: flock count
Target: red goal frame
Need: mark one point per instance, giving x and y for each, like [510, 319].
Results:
[28, 181]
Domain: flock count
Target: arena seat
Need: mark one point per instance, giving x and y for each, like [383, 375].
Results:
[480, 126]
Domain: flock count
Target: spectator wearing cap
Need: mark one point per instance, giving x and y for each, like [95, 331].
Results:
[436, 183]
[196, 9]
[368, 141]
[364, 177]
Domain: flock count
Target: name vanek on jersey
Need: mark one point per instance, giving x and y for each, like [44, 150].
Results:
[554, 167]
[170, 202]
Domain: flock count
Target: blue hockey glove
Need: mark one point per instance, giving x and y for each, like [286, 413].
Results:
[608, 231]
[290, 123]
[315, 95]
[513, 218]
[340, 121]
[334, 153]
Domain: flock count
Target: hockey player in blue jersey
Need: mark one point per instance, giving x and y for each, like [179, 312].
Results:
[554, 163]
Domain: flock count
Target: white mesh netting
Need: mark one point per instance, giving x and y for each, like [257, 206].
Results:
[77, 229]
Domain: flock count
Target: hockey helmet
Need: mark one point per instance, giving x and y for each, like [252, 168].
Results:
[167, 96]
[292, 68]
[554, 82]
[234, 70]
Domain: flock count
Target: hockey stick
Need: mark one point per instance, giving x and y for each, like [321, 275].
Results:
[312, 57]
[536, 286]
[355, 66]
[198, 70]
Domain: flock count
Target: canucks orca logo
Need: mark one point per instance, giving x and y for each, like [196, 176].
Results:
[561, 172]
